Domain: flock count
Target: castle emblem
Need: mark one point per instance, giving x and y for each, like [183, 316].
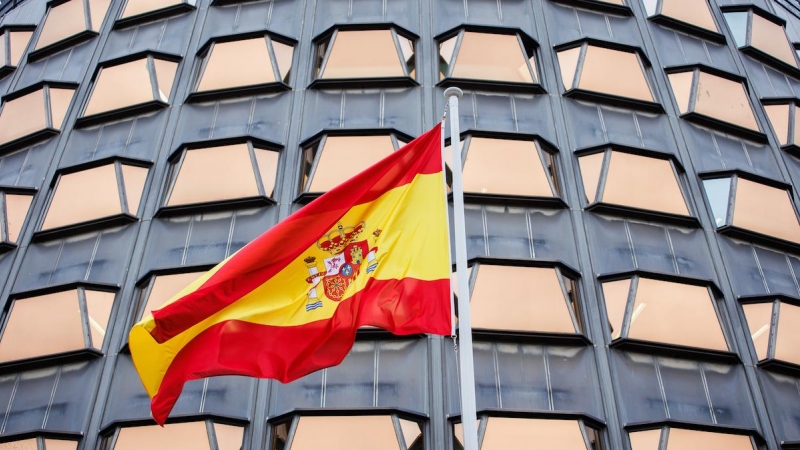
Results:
[348, 256]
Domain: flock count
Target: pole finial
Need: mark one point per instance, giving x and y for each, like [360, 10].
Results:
[451, 91]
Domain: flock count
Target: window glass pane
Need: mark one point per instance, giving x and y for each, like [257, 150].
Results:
[725, 100]
[121, 86]
[759, 322]
[58, 444]
[229, 437]
[99, 306]
[236, 64]
[165, 287]
[693, 12]
[63, 21]
[645, 183]
[486, 56]
[779, 119]
[796, 125]
[615, 294]
[503, 433]
[212, 174]
[407, 50]
[18, 42]
[84, 196]
[165, 74]
[787, 346]
[345, 156]
[765, 210]
[3, 62]
[59, 103]
[268, 168]
[43, 325]
[568, 63]
[500, 301]
[718, 192]
[136, 7]
[737, 22]
[411, 431]
[363, 54]
[283, 56]
[16, 211]
[98, 9]
[591, 166]
[446, 50]
[675, 313]
[191, 435]
[502, 166]
[680, 439]
[133, 178]
[614, 72]
[645, 440]
[345, 433]
[22, 116]
[27, 444]
[770, 38]
[681, 84]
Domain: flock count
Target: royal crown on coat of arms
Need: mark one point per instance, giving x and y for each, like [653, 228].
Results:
[335, 241]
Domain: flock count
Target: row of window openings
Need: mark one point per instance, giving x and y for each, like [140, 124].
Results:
[390, 432]
[638, 308]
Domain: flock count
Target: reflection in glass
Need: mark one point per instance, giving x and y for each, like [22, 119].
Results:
[737, 22]
[718, 192]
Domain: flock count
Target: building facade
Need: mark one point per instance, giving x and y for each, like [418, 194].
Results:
[632, 216]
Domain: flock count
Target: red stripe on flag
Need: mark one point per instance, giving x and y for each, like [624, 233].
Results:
[406, 306]
[272, 251]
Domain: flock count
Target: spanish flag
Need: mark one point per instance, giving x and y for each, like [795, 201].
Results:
[371, 252]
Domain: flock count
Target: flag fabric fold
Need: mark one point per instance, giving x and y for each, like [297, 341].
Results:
[371, 252]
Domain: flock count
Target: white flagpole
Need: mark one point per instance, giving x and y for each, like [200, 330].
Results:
[467, 369]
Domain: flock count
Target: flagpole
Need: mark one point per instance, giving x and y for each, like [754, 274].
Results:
[467, 369]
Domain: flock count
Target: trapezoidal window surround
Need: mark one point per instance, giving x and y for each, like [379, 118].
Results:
[197, 435]
[47, 441]
[34, 114]
[487, 58]
[630, 182]
[690, 16]
[14, 40]
[752, 208]
[376, 429]
[674, 437]
[380, 55]
[664, 314]
[507, 169]
[761, 35]
[68, 23]
[784, 117]
[772, 324]
[221, 176]
[242, 65]
[58, 323]
[724, 104]
[139, 11]
[606, 72]
[540, 430]
[333, 156]
[15, 204]
[129, 86]
[501, 305]
[104, 194]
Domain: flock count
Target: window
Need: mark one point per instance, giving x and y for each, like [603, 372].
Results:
[107, 192]
[714, 99]
[56, 323]
[507, 167]
[148, 83]
[497, 433]
[683, 439]
[136, 11]
[221, 174]
[760, 34]
[190, 435]
[160, 289]
[773, 328]
[670, 312]
[785, 122]
[332, 159]
[244, 67]
[744, 204]
[499, 301]
[692, 14]
[600, 72]
[69, 23]
[13, 42]
[359, 55]
[14, 206]
[40, 443]
[632, 181]
[34, 113]
[379, 432]
[472, 56]
[617, 7]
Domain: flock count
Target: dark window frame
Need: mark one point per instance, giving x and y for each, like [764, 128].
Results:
[47, 132]
[755, 53]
